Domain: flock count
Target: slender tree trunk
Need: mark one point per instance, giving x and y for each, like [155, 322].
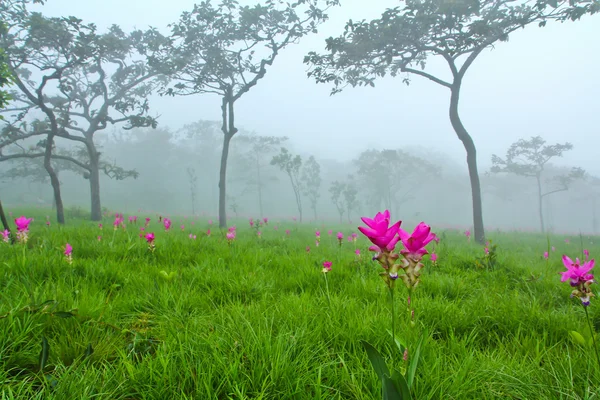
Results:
[60, 213]
[223, 182]
[96, 207]
[3, 218]
[469, 145]
[229, 129]
[594, 217]
[540, 203]
[259, 187]
[314, 207]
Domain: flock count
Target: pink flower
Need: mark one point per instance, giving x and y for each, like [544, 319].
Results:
[210, 221]
[266, 220]
[182, 227]
[318, 234]
[99, 238]
[287, 232]
[167, 224]
[308, 249]
[546, 255]
[149, 237]
[327, 266]
[553, 248]
[208, 232]
[468, 234]
[147, 220]
[357, 252]
[576, 272]
[434, 257]
[330, 232]
[251, 221]
[380, 233]
[230, 236]
[567, 241]
[68, 249]
[130, 219]
[586, 253]
[259, 234]
[486, 250]
[23, 223]
[414, 244]
[100, 226]
[48, 223]
[5, 235]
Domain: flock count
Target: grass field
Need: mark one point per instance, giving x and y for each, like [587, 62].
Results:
[204, 319]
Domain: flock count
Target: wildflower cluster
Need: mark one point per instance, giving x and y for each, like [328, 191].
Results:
[579, 278]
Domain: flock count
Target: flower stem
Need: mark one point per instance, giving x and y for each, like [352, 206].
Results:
[392, 308]
[592, 333]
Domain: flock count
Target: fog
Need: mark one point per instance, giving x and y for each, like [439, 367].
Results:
[543, 81]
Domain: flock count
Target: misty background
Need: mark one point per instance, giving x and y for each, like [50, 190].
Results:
[543, 81]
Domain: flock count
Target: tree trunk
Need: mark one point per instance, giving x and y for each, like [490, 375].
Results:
[315, 211]
[540, 203]
[223, 182]
[259, 187]
[60, 213]
[469, 145]
[96, 207]
[3, 218]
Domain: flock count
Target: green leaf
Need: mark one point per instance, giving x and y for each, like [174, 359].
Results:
[400, 343]
[414, 360]
[577, 337]
[89, 350]
[376, 359]
[395, 387]
[44, 353]
[63, 314]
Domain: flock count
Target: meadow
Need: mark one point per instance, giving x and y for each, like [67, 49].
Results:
[256, 318]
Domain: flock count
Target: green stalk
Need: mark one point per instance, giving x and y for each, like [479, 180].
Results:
[587, 316]
[392, 308]
[327, 289]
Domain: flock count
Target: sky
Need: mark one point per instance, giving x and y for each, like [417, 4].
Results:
[543, 81]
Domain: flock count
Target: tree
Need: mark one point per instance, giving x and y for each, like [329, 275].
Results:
[404, 174]
[257, 149]
[5, 80]
[311, 182]
[291, 165]
[336, 190]
[405, 37]
[226, 50]
[47, 48]
[529, 158]
[111, 87]
[350, 197]
[193, 180]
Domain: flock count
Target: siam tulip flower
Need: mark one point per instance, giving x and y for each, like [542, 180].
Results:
[150, 240]
[167, 224]
[210, 221]
[259, 234]
[330, 232]
[546, 255]
[68, 253]
[414, 244]
[130, 219]
[468, 234]
[192, 236]
[287, 232]
[327, 266]
[294, 219]
[318, 235]
[147, 221]
[317, 243]
[6, 235]
[379, 232]
[436, 239]
[567, 241]
[308, 249]
[22, 228]
[586, 253]
[340, 238]
[251, 221]
[182, 227]
[349, 238]
[100, 226]
[208, 232]
[48, 224]
[230, 236]
[553, 248]
[276, 227]
[579, 278]
[118, 221]
[486, 250]
[99, 238]
[354, 237]
[357, 252]
[266, 220]
[434, 258]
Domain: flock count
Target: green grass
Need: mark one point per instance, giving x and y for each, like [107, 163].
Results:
[252, 319]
